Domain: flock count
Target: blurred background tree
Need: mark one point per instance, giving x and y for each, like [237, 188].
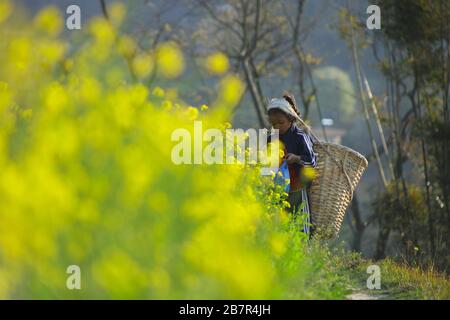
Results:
[337, 94]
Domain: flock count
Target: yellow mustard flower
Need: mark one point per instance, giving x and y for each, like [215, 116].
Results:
[127, 46]
[49, 20]
[309, 173]
[217, 63]
[169, 60]
[142, 65]
[158, 92]
[231, 88]
[117, 13]
[192, 113]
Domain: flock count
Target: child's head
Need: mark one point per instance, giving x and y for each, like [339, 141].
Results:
[282, 114]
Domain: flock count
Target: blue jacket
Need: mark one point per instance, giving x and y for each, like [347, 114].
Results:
[298, 142]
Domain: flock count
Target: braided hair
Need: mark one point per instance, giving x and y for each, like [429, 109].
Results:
[289, 97]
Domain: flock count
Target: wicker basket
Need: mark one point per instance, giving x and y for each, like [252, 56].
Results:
[339, 170]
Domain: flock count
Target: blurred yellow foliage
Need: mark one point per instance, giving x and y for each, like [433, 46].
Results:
[87, 178]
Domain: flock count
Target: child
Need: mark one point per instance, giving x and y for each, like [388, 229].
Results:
[283, 114]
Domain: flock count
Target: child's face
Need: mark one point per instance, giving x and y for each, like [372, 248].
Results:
[280, 121]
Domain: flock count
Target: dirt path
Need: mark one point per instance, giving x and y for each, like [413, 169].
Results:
[360, 295]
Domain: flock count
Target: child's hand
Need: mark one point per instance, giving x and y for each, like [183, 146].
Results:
[292, 158]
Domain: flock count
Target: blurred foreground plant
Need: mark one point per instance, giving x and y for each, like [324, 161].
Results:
[87, 178]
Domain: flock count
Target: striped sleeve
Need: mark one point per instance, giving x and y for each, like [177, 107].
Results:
[305, 150]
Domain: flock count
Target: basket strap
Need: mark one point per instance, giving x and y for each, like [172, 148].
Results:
[338, 163]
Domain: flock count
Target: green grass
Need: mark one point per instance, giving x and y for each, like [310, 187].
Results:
[334, 273]
[398, 280]
[406, 282]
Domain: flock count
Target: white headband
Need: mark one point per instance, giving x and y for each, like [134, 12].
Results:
[283, 105]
